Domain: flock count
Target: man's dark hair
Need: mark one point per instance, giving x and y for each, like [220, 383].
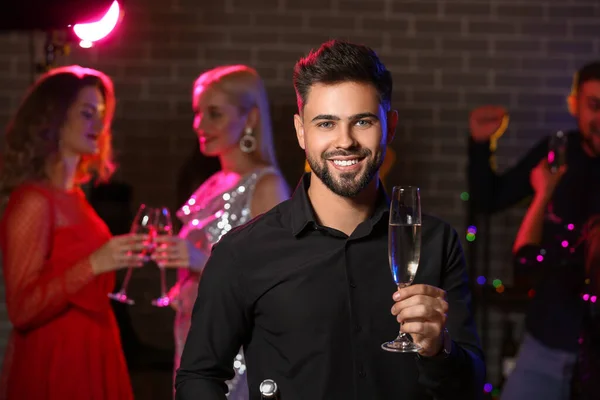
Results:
[338, 61]
[589, 72]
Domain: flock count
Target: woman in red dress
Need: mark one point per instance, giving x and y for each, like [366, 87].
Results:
[58, 255]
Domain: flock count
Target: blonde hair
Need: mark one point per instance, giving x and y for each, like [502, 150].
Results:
[246, 90]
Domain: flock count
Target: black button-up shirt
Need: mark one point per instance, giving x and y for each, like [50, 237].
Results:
[312, 306]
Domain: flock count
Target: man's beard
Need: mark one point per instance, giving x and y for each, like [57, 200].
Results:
[349, 184]
[592, 138]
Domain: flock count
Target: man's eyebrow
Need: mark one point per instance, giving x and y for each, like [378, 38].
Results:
[330, 117]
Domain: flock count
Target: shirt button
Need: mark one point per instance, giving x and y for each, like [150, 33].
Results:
[357, 328]
[352, 285]
[362, 373]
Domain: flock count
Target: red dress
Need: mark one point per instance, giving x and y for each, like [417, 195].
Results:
[65, 342]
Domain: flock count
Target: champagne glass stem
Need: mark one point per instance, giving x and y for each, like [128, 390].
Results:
[126, 280]
[163, 282]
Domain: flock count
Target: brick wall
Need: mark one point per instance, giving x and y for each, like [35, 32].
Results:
[446, 57]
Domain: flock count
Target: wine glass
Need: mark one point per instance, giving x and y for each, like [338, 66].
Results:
[404, 250]
[144, 224]
[163, 226]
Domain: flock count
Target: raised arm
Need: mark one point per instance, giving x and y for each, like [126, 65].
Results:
[459, 375]
[34, 292]
[220, 325]
[489, 191]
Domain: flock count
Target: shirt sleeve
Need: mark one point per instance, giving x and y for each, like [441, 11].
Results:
[491, 192]
[220, 325]
[35, 293]
[461, 374]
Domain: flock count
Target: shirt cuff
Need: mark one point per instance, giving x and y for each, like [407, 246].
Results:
[442, 359]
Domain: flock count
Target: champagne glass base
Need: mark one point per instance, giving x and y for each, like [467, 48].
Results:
[401, 346]
[162, 301]
[121, 298]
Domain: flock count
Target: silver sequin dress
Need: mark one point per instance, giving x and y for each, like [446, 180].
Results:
[219, 205]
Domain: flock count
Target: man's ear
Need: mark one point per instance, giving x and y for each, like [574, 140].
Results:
[392, 123]
[572, 105]
[299, 125]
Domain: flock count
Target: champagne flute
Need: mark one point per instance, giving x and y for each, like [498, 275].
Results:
[404, 250]
[144, 224]
[164, 226]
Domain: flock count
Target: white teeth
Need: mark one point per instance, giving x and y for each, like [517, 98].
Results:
[345, 163]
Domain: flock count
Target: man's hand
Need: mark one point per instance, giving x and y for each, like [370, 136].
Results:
[543, 181]
[422, 312]
[484, 121]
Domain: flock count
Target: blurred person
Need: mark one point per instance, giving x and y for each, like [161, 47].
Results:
[306, 288]
[561, 208]
[233, 123]
[59, 257]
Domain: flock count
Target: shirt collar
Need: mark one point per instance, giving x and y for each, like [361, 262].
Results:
[303, 214]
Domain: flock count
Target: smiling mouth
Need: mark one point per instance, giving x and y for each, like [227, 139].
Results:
[346, 163]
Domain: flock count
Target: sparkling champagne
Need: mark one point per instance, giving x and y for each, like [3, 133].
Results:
[405, 252]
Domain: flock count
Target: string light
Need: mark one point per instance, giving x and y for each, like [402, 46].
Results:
[471, 232]
[464, 196]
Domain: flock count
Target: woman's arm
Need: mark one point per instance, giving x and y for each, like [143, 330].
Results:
[34, 293]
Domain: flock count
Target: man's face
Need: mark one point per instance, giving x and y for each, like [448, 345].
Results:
[344, 131]
[588, 114]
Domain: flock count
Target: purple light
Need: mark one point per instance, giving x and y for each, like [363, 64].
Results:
[481, 280]
[593, 299]
[570, 227]
[487, 387]
[586, 297]
[540, 258]
[472, 229]
[564, 244]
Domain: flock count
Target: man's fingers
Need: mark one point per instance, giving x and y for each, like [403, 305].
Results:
[419, 330]
[420, 289]
[432, 302]
[422, 312]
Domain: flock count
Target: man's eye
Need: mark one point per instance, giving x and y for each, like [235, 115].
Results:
[326, 125]
[364, 123]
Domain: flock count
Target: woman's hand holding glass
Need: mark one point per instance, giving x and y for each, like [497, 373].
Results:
[124, 251]
[175, 252]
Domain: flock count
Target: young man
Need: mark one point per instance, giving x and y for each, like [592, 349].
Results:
[306, 288]
[563, 206]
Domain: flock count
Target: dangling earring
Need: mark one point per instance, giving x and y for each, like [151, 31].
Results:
[248, 142]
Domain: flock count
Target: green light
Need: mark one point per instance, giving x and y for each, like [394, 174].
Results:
[470, 237]
[496, 392]
[464, 196]
[497, 283]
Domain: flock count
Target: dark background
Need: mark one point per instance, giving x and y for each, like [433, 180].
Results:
[446, 57]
